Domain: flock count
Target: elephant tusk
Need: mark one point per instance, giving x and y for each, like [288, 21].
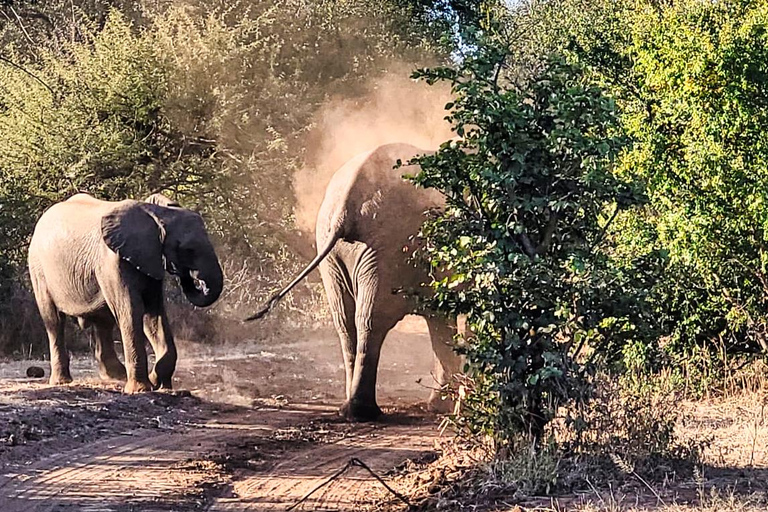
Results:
[200, 284]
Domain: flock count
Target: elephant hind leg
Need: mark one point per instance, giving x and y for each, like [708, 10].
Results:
[447, 361]
[342, 306]
[110, 367]
[362, 404]
[376, 314]
[53, 320]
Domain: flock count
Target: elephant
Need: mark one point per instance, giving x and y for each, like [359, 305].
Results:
[103, 263]
[365, 236]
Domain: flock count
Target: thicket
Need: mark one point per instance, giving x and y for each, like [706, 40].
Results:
[606, 208]
[690, 79]
[606, 202]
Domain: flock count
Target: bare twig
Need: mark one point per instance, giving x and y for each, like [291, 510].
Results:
[642, 480]
[21, 24]
[579, 347]
[354, 461]
[24, 70]
[594, 490]
[755, 435]
[630, 470]
[605, 229]
[74, 23]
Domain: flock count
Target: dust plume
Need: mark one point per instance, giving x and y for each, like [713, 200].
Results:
[394, 108]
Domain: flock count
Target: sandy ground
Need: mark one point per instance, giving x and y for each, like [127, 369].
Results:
[254, 427]
[249, 428]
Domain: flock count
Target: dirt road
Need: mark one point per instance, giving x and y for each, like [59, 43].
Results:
[235, 443]
[256, 460]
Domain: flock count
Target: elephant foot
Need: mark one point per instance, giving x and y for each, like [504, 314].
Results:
[112, 372]
[137, 386]
[57, 379]
[357, 411]
[440, 405]
[160, 383]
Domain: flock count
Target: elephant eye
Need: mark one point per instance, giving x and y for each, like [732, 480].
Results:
[185, 251]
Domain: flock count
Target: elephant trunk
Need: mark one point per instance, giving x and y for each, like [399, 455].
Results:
[202, 287]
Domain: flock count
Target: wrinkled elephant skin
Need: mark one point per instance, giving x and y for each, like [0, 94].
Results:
[104, 263]
[365, 237]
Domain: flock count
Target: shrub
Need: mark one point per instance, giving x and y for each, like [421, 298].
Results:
[521, 248]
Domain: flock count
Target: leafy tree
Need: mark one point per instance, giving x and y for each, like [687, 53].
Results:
[521, 247]
[688, 80]
[97, 124]
[702, 143]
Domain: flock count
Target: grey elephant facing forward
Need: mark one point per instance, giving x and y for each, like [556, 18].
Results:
[104, 263]
[365, 236]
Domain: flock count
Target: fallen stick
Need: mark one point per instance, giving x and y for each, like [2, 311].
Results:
[354, 461]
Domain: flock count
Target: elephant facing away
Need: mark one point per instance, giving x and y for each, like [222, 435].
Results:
[365, 236]
[104, 263]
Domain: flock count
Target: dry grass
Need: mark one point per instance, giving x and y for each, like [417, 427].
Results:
[716, 501]
[731, 473]
[737, 426]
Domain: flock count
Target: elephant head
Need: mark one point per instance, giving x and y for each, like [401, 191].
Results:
[157, 236]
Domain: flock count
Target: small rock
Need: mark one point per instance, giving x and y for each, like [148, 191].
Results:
[35, 372]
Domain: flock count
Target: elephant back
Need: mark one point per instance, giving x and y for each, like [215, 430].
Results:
[368, 196]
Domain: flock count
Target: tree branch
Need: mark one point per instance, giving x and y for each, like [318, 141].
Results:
[528, 248]
[21, 24]
[546, 238]
[605, 229]
[24, 70]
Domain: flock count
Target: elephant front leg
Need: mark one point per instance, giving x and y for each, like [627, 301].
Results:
[158, 331]
[134, 349]
[110, 367]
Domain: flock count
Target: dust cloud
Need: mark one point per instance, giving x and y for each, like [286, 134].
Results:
[394, 108]
[305, 365]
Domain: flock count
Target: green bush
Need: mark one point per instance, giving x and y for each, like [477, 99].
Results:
[701, 145]
[689, 81]
[521, 248]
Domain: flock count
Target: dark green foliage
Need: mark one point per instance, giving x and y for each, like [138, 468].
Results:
[522, 247]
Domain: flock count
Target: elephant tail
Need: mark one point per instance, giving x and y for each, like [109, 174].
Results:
[304, 273]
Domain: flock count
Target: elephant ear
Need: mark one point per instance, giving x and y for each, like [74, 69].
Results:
[137, 237]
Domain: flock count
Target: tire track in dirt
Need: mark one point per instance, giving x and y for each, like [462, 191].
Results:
[103, 476]
[380, 447]
[119, 472]
[170, 469]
